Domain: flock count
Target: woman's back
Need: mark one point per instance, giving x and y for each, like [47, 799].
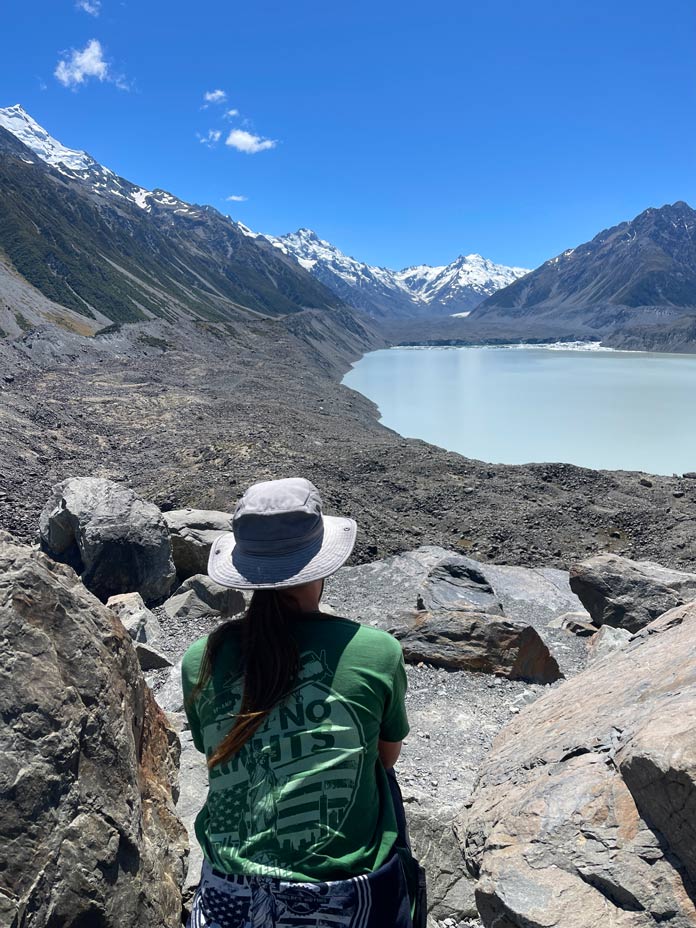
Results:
[305, 798]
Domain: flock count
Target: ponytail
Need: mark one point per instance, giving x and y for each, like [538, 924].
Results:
[270, 660]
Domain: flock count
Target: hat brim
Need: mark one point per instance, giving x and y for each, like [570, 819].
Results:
[229, 566]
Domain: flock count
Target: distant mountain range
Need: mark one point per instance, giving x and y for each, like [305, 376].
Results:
[446, 290]
[85, 247]
[638, 272]
[106, 248]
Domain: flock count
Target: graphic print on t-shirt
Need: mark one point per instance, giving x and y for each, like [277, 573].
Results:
[287, 792]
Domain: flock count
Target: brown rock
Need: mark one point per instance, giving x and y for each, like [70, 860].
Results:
[584, 815]
[481, 642]
[88, 830]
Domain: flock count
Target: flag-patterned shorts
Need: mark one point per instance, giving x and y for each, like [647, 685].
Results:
[375, 900]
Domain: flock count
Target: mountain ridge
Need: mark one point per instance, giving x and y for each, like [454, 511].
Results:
[103, 247]
[638, 271]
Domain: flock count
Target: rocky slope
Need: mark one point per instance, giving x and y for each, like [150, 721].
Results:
[188, 417]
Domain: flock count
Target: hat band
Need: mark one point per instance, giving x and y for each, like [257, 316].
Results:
[273, 547]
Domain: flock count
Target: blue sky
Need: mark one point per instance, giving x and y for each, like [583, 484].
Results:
[404, 132]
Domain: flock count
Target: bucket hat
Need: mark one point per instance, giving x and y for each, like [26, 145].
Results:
[280, 538]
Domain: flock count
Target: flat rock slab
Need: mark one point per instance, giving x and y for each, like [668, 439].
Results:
[377, 593]
[194, 790]
[585, 810]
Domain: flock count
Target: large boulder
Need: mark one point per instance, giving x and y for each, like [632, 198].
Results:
[474, 641]
[193, 532]
[88, 775]
[117, 541]
[585, 810]
[629, 594]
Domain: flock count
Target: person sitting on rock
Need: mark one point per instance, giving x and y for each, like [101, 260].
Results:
[302, 818]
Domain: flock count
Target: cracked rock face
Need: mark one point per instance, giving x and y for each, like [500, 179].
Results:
[88, 764]
[584, 815]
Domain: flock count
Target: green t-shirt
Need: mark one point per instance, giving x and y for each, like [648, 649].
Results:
[306, 798]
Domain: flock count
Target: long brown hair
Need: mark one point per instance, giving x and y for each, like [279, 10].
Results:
[270, 661]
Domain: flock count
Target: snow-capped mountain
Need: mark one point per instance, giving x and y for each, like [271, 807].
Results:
[450, 289]
[103, 248]
[469, 279]
[79, 165]
[372, 289]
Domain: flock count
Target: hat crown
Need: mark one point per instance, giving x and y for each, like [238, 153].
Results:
[275, 516]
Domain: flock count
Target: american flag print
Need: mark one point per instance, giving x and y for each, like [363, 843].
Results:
[286, 794]
[253, 902]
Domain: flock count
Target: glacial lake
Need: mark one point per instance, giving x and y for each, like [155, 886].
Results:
[620, 410]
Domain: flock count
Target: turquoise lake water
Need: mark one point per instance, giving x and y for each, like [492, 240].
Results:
[603, 409]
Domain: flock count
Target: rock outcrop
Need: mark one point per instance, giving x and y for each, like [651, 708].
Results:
[117, 541]
[629, 594]
[193, 531]
[88, 777]
[585, 810]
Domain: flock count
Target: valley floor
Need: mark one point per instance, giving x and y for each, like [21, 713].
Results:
[192, 419]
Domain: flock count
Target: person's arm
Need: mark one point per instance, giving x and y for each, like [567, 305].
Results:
[389, 752]
[394, 726]
[190, 665]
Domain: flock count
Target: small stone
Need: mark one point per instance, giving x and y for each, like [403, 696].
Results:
[644, 482]
[678, 494]
[150, 658]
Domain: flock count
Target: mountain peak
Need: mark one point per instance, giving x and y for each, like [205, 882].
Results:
[17, 121]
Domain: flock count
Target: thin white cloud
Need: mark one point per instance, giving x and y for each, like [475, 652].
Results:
[93, 7]
[236, 198]
[212, 138]
[230, 114]
[79, 65]
[247, 142]
[214, 96]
